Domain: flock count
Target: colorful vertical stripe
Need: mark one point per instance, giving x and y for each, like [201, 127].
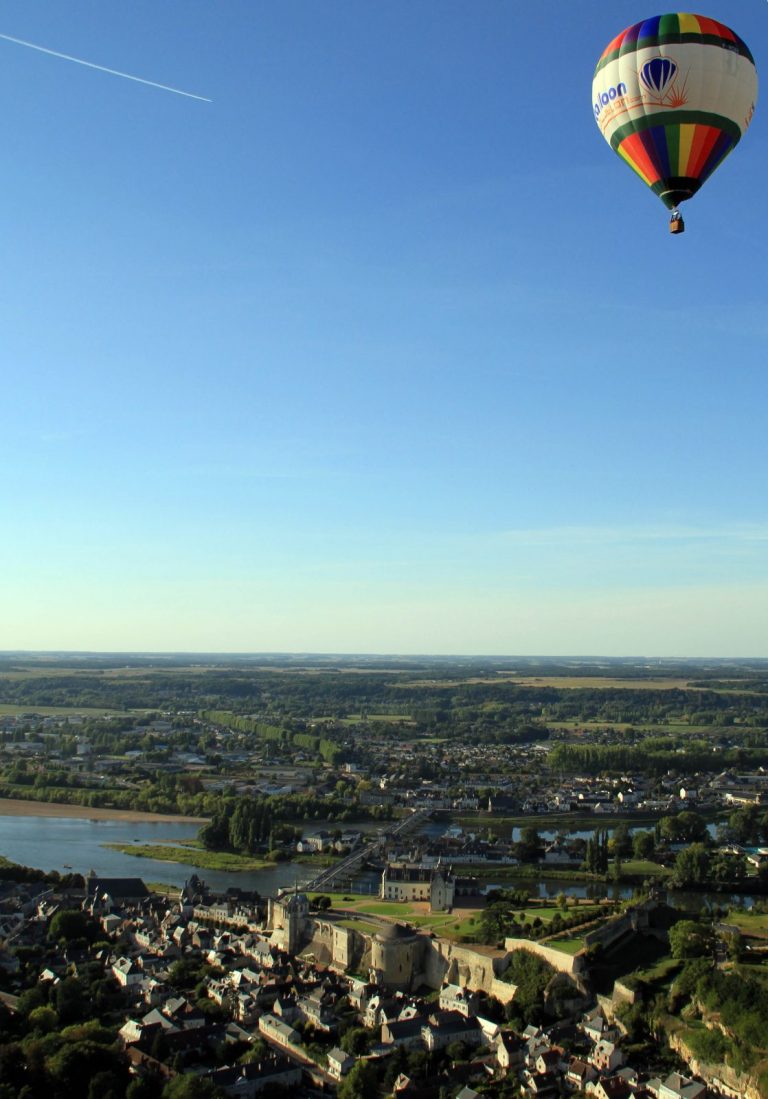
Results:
[665, 29]
[662, 154]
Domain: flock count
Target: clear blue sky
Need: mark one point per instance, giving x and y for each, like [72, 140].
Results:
[383, 350]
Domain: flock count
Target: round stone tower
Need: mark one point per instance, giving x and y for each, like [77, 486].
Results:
[396, 951]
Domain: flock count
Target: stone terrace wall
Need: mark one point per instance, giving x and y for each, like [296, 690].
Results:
[476, 970]
[571, 964]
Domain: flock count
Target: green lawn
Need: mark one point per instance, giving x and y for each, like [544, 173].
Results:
[363, 926]
[644, 868]
[566, 946]
[749, 923]
[547, 912]
[317, 859]
[163, 887]
[661, 973]
[448, 925]
[394, 909]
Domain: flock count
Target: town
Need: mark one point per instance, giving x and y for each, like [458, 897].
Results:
[533, 887]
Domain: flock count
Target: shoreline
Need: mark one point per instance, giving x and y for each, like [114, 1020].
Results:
[18, 807]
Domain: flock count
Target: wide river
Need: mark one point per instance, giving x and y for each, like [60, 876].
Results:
[78, 844]
[65, 843]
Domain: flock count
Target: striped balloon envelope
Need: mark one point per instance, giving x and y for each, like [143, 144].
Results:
[673, 96]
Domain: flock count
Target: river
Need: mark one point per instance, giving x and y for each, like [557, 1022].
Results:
[78, 844]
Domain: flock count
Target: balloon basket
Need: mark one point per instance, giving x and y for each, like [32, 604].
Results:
[677, 225]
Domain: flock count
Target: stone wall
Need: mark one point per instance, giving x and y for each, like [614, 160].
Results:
[341, 947]
[503, 990]
[415, 960]
[622, 994]
[572, 964]
[635, 919]
[476, 970]
[418, 959]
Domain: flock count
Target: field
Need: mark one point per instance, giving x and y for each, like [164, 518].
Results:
[566, 682]
[61, 711]
[580, 682]
[44, 671]
[391, 719]
[665, 729]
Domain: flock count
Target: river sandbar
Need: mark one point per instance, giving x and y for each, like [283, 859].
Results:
[17, 807]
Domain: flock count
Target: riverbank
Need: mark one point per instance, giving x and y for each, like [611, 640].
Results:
[16, 807]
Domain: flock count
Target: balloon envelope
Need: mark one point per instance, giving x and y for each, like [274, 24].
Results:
[673, 96]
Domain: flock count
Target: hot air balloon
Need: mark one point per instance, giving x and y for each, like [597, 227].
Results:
[673, 96]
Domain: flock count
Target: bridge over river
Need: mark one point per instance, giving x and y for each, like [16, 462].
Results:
[347, 866]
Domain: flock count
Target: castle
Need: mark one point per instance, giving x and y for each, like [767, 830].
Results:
[397, 955]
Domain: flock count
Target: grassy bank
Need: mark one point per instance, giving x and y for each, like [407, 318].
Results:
[192, 854]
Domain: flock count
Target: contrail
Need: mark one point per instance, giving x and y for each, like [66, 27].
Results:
[104, 69]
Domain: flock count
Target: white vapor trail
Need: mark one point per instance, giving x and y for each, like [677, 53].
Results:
[103, 68]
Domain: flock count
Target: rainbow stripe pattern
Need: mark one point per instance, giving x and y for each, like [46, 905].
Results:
[673, 96]
[662, 154]
[665, 29]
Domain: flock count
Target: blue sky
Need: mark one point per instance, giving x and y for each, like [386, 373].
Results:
[383, 350]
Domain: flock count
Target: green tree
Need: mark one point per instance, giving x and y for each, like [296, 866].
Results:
[689, 939]
[685, 827]
[71, 1000]
[456, 1051]
[359, 1083]
[621, 841]
[192, 1087]
[30, 999]
[43, 1020]
[356, 1041]
[529, 846]
[692, 865]
[106, 1085]
[531, 974]
[79, 1061]
[643, 845]
[68, 924]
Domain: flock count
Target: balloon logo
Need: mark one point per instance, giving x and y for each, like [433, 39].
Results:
[657, 74]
